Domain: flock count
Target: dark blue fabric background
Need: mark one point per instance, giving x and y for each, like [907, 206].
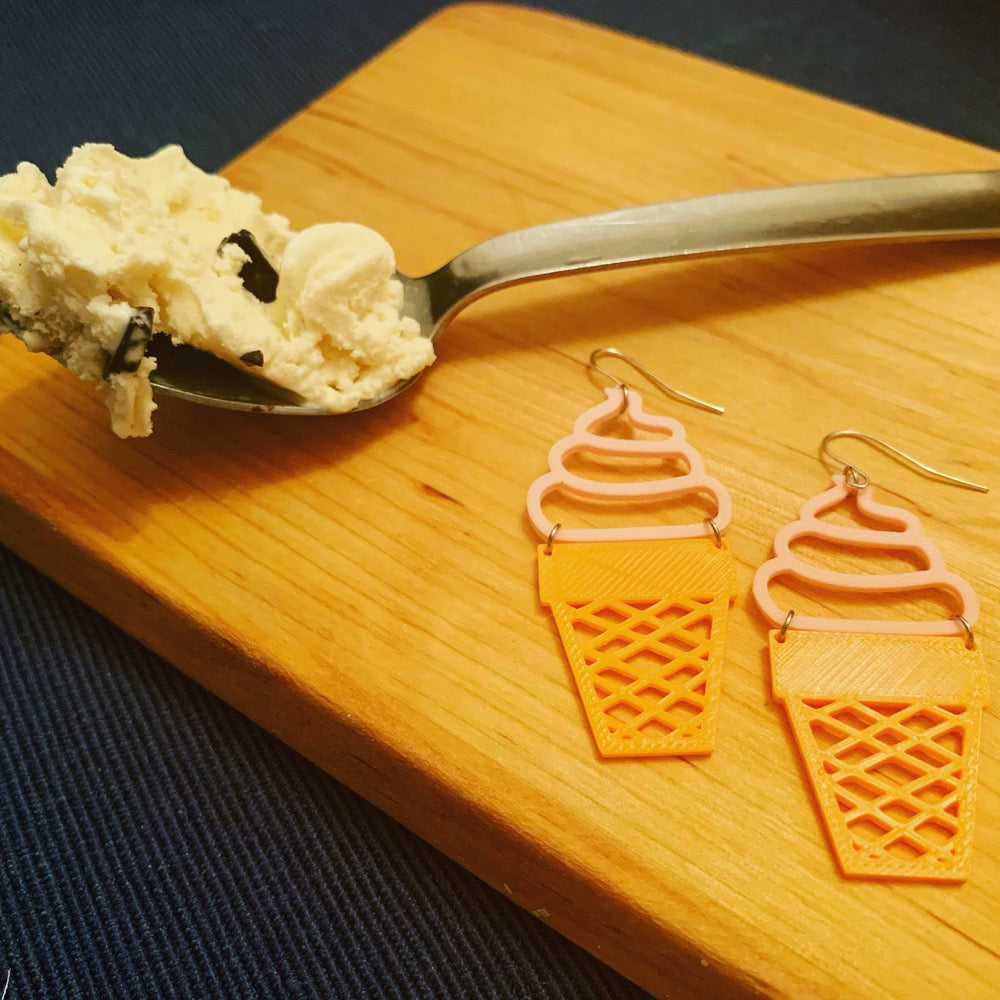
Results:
[217, 74]
[153, 843]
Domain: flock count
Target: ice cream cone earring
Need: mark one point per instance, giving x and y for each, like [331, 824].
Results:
[641, 608]
[886, 713]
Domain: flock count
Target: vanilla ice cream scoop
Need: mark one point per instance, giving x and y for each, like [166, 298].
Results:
[338, 307]
[118, 249]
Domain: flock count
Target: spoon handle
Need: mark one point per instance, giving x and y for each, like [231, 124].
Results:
[949, 206]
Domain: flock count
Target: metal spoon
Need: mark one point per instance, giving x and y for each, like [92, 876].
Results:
[951, 206]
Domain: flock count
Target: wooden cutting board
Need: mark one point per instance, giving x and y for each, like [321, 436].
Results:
[364, 587]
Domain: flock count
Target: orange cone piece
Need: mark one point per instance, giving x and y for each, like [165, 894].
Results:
[888, 728]
[643, 625]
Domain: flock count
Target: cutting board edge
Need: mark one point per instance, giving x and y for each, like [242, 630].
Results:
[376, 771]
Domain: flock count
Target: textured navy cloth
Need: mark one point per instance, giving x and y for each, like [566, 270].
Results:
[218, 75]
[153, 843]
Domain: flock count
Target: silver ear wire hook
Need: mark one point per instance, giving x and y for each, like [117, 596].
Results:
[858, 480]
[613, 352]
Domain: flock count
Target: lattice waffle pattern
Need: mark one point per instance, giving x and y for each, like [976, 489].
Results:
[894, 777]
[645, 674]
[647, 660]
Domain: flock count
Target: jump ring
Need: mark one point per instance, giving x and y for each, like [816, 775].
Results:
[785, 626]
[550, 538]
[855, 479]
[970, 638]
[714, 528]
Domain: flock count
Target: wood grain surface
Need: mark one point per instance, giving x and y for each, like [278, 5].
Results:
[364, 587]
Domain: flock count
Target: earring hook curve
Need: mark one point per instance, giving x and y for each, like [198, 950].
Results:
[857, 479]
[667, 390]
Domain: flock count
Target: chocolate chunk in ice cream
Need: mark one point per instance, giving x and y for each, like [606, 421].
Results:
[131, 348]
[259, 278]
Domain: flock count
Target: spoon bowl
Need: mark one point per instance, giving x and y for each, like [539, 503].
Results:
[895, 209]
